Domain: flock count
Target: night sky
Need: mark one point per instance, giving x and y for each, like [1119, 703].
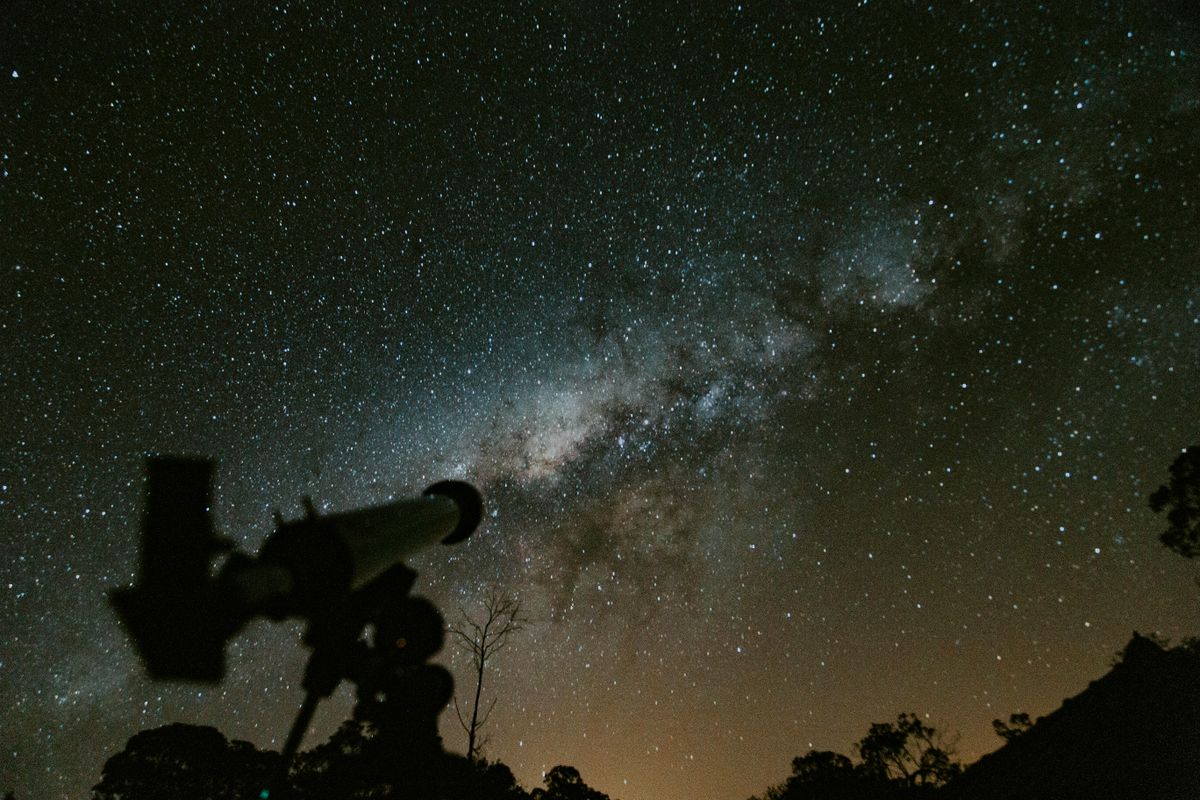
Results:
[815, 364]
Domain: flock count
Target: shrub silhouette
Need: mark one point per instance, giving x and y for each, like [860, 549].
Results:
[185, 762]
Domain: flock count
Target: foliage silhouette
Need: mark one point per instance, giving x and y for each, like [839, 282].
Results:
[494, 781]
[823, 775]
[1017, 724]
[1182, 496]
[907, 751]
[184, 762]
[197, 763]
[902, 760]
[337, 767]
[565, 783]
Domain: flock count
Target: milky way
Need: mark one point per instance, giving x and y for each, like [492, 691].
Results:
[815, 367]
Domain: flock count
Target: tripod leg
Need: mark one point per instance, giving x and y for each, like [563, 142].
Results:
[300, 727]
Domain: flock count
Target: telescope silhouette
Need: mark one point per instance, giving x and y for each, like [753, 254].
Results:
[181, 616]
[342, 573]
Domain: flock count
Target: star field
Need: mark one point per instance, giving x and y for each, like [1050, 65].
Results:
[815, 365]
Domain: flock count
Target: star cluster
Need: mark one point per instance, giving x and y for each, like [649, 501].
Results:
[815, 365]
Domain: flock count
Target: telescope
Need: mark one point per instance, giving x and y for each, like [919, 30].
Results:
[181, 616]
[342, 573]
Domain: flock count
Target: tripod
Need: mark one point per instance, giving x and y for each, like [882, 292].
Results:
[397, 690]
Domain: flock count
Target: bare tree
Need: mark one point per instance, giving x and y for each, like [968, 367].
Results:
[502, 618]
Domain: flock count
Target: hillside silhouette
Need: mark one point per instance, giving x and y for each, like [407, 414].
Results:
[1134, 733]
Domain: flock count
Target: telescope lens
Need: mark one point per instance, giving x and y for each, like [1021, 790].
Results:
[470, 507]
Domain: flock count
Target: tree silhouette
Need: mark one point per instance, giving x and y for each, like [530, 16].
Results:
[483, 640]
[907, 751]
[1017, 724]
[359, 762]
[481, 780]
[185, 762]
[338, 767]
[905, 759]
[1182, 495]
[564, 783]
[823, 775]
